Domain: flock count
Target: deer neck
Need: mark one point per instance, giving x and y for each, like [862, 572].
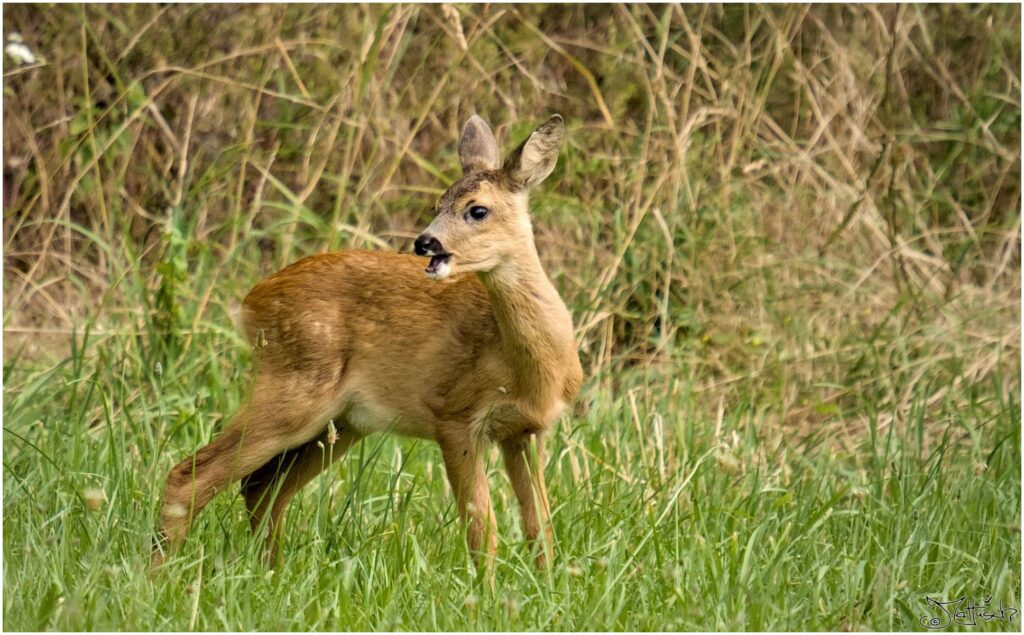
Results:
[534, 324]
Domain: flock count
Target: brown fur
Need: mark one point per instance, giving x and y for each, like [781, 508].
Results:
[366, 340]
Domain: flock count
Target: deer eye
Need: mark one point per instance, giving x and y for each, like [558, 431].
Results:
[477, 212]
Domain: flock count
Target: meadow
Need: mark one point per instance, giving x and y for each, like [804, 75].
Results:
[789, 237]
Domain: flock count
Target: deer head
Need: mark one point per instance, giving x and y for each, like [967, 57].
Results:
[482, 221]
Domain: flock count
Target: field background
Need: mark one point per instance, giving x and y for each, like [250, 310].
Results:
[790, 238]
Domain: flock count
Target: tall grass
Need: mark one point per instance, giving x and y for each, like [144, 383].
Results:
[789, 235]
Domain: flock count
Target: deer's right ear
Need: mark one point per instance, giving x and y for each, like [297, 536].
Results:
[478, 151]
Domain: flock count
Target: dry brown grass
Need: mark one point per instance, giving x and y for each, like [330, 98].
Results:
[796, 210]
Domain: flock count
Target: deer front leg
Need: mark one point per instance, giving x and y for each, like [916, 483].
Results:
[527, 478]
[464, 462]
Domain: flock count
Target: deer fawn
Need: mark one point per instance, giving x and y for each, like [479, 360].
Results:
[478, 350]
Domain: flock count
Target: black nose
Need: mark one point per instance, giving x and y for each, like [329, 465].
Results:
[427, 245]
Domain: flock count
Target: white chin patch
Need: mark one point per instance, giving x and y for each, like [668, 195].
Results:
[440, 267]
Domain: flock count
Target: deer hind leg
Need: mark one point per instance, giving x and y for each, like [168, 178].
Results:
[271, 423]
[271, 487]
[464, 463]
[527, 478]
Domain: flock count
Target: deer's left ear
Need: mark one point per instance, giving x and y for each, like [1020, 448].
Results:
[535, 158]
[478, 151]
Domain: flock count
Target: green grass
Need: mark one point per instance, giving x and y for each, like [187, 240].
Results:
[789, 237]
[664, 520]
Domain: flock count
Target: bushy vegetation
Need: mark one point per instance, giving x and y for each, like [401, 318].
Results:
[789, 235]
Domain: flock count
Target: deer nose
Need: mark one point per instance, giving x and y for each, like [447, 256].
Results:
[427, 246]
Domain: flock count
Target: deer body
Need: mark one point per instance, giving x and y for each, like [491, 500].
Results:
[364, 340]
[407, 355]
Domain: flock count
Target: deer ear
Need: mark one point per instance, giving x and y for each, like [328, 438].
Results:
[535, 158]
[478, 151]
